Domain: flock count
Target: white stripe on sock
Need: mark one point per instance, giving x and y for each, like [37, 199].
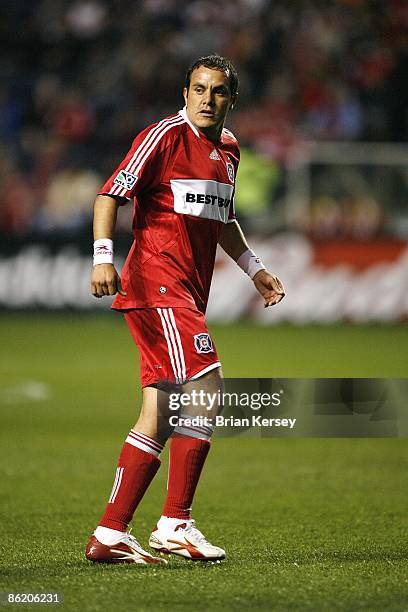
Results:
[202, 432]
[116, 484]
[144, 447]
[148, 439]
[187, 431]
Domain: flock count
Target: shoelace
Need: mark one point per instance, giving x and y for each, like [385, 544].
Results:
[195, 533]
[133, 540]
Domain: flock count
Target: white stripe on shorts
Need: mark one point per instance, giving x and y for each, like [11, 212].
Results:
[175, 338]
[212, 366]
[180, 346]
[174, 363]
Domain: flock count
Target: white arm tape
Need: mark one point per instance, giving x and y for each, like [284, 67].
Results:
[103, 251]
[250, 263]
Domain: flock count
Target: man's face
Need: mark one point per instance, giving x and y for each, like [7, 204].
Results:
[208, 100]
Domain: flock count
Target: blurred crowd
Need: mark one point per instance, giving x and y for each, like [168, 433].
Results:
[79, 78]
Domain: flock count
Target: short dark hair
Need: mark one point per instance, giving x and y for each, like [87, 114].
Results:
[216, 62]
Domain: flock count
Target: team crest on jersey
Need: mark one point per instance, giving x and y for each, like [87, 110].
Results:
[202, 343]
[125, 179]
[231, 173]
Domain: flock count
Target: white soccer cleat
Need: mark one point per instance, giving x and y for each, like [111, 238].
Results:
[127, 550]
[181, 537]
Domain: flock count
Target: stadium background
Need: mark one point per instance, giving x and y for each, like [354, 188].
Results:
[322, 120]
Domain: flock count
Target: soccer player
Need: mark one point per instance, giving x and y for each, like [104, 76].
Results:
[181, 173]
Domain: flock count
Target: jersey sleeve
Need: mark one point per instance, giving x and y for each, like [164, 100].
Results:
[231, 214]
[143, 166]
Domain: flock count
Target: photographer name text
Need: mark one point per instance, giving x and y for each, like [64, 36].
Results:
[230, 421]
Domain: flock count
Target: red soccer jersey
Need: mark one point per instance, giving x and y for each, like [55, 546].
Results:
[183, 185]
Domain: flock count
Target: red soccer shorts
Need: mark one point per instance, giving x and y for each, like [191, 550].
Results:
[174, 344]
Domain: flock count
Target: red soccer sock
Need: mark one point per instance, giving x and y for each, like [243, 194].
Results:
[187, 457]
[136, 469]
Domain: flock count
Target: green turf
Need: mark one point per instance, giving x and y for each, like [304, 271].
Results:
[308, 524]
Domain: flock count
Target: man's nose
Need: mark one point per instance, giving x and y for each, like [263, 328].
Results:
[209, 98]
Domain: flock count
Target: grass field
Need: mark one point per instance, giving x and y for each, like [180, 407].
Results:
[308, 524]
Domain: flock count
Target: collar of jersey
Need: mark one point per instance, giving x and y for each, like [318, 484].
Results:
[183, 113]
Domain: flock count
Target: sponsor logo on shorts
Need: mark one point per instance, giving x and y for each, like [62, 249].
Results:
[203, 343]
[125, 179]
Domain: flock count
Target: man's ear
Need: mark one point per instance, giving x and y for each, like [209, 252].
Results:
[185, 94]
[233, 100]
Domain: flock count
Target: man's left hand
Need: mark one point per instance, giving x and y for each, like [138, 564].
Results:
[270, 287]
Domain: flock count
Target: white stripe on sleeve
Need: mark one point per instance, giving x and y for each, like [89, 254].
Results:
[145, 148]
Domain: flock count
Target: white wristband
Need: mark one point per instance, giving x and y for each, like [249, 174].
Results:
[250, 263]
[103, 251]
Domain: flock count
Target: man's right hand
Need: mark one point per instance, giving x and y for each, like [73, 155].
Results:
[105, 281]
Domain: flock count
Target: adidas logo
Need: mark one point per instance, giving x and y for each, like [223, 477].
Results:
[214, 155]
